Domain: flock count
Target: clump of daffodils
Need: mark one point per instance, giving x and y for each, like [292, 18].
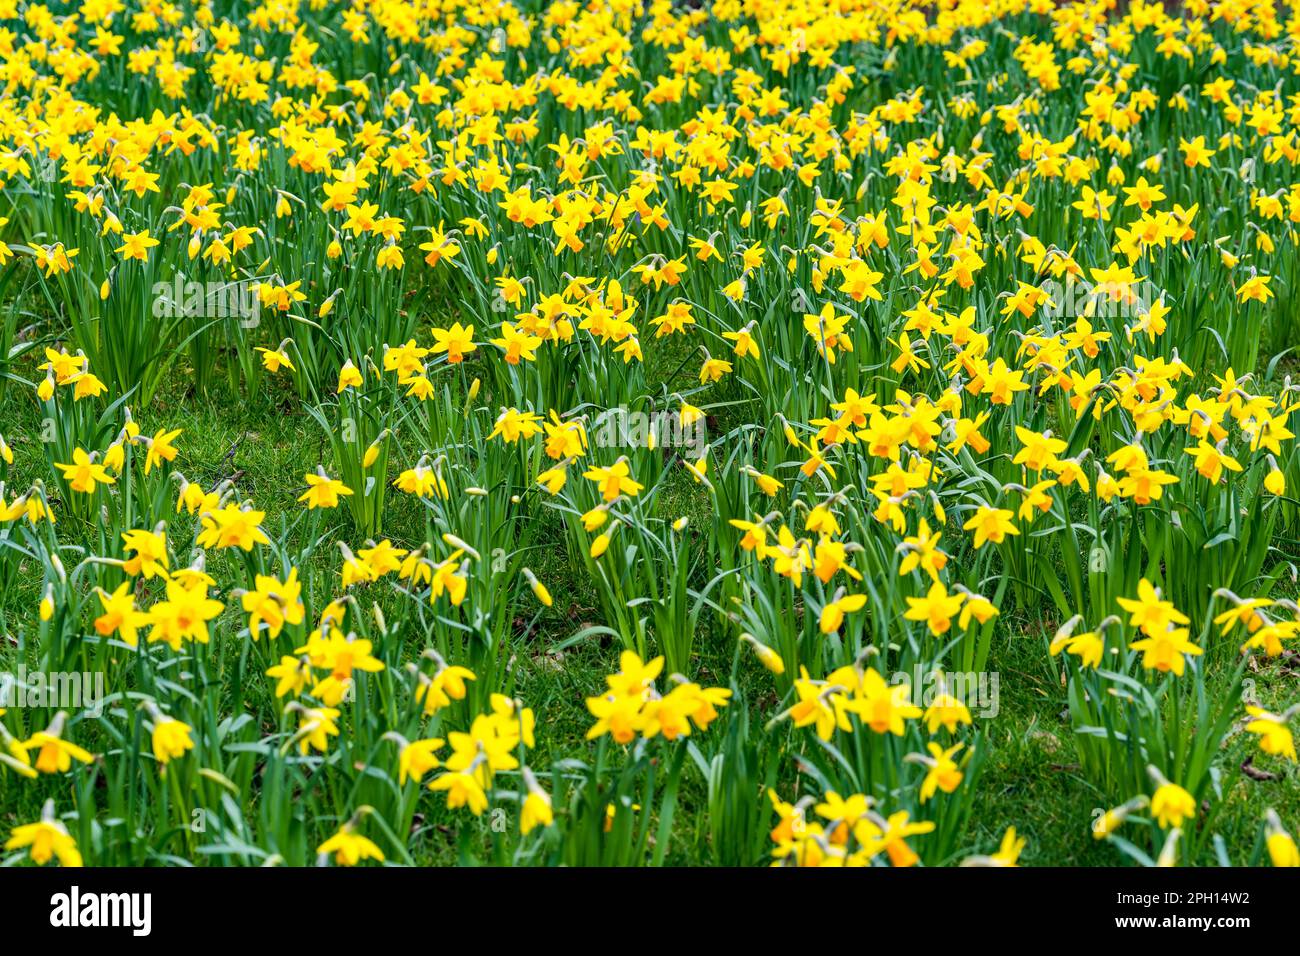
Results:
[633, 707]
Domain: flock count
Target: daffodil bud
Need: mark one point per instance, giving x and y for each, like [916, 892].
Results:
[1275, 482]
[1282, 848]
[766, 656]
[1112, 819]
[47, 603]
[461, 545]
[539, 589]
[1169, 852]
